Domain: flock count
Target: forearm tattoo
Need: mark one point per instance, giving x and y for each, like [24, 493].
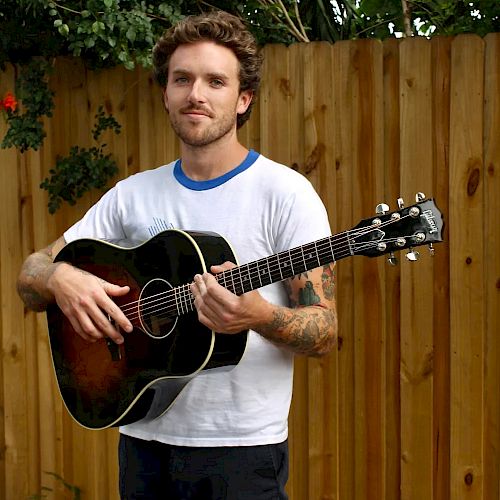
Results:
[35, 270]
[305, 331]
[308, 326]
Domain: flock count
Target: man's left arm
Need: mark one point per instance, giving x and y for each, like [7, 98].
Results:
[308, 326]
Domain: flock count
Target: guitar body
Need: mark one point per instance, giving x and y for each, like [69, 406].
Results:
[104, 384]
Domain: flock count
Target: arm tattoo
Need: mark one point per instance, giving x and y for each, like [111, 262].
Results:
[309, 325]
[35, 271]
[306, 330]
[328, 281]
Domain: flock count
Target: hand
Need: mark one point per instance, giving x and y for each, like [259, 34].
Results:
[221, 310]
[85, 301]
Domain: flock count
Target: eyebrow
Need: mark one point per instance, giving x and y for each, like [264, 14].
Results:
[213, 74]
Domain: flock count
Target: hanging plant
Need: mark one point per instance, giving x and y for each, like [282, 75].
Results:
[84, 169]
[26, 127]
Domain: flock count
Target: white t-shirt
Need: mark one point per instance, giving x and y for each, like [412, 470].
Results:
[261, 208]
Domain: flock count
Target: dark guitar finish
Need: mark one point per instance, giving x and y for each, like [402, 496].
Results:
[104, 385]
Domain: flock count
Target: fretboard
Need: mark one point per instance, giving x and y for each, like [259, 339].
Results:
[287, 264]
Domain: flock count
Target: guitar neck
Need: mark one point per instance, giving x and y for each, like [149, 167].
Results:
[287, 264]
[409, 227]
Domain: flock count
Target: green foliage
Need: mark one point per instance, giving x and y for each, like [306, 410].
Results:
[383, 18]
[84, 169]
[25, 127]
[103, 33]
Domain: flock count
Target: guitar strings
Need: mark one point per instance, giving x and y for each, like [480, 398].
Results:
[181, 300]
[183, 297]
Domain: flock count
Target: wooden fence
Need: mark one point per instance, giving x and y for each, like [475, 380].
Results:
[408, 406]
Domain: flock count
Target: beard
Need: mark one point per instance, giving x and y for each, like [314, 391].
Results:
[196, 136]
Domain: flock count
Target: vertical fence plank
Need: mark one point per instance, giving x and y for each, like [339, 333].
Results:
[13, 345]
[441, 49]
[492, 267]
[467, 268]
[344, 157]
[318, 166]
[392, 191]
[416, 278]
[369, 311]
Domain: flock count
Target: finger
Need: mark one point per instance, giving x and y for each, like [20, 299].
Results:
[102, 325]
[226, 266]
[116, 314]
[199, 283]
[78, 329]
[115, 290]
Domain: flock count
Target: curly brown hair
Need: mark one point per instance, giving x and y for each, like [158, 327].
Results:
[222, 28]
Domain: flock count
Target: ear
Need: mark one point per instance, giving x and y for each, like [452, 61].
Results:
[244, 101]
[165, 99]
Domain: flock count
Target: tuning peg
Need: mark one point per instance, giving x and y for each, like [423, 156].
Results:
[431, 249]
[412, 255]
[382, 208]
[419, 197]
[401, 203]
[392, 259]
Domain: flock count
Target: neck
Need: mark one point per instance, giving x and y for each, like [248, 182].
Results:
[213, 160]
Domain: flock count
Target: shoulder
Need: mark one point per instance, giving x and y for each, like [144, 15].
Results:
[147, 178]
[276, 177]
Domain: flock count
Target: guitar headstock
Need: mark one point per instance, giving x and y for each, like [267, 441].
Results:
[408, 227]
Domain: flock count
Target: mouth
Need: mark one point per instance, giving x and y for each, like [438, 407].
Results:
[195, 112]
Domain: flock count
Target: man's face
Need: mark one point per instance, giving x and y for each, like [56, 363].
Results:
[202, 94]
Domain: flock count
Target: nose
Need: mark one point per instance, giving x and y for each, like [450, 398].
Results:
[196, 93]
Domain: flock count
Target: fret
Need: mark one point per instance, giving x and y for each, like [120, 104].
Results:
[185, 297]
[269, 271]
[257, 273]
[331, 248]
[299, 266]
[245, 278]
[291, 261]
[317, 256]
[179, 312]
[274, 268]
[236, 281]
[231, 286]
[263, 272]
[310, 256]
[285, 266]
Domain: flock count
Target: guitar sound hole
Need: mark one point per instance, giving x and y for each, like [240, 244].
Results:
[156, 312]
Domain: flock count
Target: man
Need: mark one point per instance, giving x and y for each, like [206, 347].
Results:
[225, 437]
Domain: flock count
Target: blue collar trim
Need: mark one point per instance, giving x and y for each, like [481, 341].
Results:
[213, 183]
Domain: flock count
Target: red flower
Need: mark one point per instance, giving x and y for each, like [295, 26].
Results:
[9, 102]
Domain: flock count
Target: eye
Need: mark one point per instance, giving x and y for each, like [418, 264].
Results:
[181, 80]
[217, 82]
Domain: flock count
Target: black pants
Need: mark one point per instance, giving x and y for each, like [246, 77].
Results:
[156, 471]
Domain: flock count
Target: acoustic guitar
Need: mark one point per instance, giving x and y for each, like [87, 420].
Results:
[104, 384]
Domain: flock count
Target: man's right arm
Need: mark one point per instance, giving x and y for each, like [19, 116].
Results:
[84, 299]
[36, 273]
